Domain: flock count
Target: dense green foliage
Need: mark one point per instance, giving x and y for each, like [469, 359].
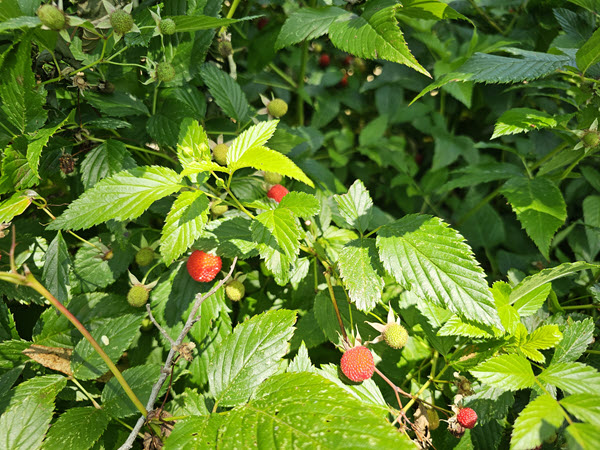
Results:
[363, 170]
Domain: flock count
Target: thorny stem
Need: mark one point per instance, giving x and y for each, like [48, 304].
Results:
[334, 302]
[166, 369]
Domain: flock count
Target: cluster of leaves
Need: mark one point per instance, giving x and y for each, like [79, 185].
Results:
[468, 205]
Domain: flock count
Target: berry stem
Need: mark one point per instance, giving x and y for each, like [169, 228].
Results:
[230, 14]
[334, 302]
[425, 386]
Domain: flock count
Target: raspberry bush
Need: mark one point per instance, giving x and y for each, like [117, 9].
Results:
[213, 211]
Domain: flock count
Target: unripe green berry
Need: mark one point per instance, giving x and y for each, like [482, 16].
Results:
[144, 256]
[218, 209]
[147, 325]
[277, 107]
[591, 139]
[52, 17]
[395, 335]
[138, 296]
[273, 178]
[121, 21]
[165, 72]
[167, 26]
[235, 290]
[220, 154]
[225, 49]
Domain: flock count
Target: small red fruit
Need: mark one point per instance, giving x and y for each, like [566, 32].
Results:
[344, 81]
[348, 60]
[262, 22]
[203, 266]
[357, 364]
[277, 192]
[324, 60]
[467, 417]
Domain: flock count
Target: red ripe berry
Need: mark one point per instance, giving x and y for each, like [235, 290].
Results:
[262, 22]
[357, 364]
[324, 60]
[203, 266]
[277, 192]
[467, 417]
[344, 81]
[348, 60]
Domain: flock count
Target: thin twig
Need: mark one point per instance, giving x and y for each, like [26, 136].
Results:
[161, 329]
[166, 369]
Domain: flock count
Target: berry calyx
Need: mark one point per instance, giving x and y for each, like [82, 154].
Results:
[235, 290]
[357, 364]
[165, 72]
[220, 154]
[277, 108]
[324, 60]
[273, 178]
[138, 295]
[121, 21]
[52, 17]
[395, 335]
[203, 266]
[167, 26]
[144, 256]
[467, 417]
[277, 192]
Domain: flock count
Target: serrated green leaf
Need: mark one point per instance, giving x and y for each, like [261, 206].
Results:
[506, 372]
[184, 224]
[358, 262]
[591, 217]
[255, 136]
[367, 391]
[306, 24]
[507, 313]
[8, 329]
[231, 236]
[249, 356]
[544, 337]
[193, 144]
[15, 205]
[16, 174]
[301, 362]
[199, 22]
[24, 425]
[374, 35]
[430, 258]
[300, 204]
[107, 159]
[583, 436]
[11, 353]
[572, 377]
[92, 271]
[537, 422]
[37, 142]
[114, 337]
[473, 175]
[277, 229]
[589, 53]
[490, 403]
[76, 429]
[576, 337]
[118, 104]
[277, 262]
[455, 326]
[20, 23]
[280, 417]
[522, 120]
[123, 196]
[226, 92]
[23, 99]
[484, 68]
[583, 406]
[263, 158]
[539, 206]
[56, 268]
[425, 9]
[141, 379]
[533, 282]
[533, 300]
[356, 207]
